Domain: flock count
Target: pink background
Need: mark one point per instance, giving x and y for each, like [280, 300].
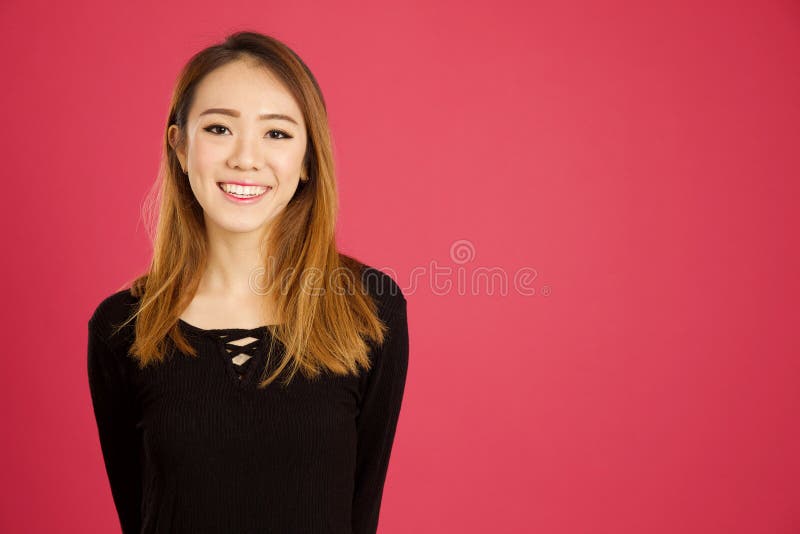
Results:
[642, 159]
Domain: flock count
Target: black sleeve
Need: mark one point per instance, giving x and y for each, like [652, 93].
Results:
[377, 419]
[120, 440]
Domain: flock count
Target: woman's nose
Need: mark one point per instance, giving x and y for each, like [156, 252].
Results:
[246, 153]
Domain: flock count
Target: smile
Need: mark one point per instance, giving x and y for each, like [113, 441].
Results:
[240, 193]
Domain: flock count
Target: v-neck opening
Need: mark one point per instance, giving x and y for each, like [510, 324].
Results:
[223, 336]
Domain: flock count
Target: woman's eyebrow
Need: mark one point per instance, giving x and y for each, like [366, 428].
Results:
[234, 113]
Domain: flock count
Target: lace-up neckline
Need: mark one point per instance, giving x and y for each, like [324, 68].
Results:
[241, 355]
[241, 347]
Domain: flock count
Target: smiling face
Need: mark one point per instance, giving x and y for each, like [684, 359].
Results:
[244, 127]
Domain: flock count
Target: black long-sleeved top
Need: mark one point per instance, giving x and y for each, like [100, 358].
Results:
[192, 445]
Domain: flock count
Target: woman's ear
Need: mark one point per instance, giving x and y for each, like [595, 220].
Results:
[176, 142]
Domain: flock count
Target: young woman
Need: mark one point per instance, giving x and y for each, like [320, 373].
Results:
[251, 380]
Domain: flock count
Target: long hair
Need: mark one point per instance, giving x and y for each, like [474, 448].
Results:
[326, 318]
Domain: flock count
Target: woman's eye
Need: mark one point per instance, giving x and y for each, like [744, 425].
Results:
[213, 126]
[283, 134]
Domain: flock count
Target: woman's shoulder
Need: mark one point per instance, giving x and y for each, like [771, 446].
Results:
[382, 287]
[111, 312]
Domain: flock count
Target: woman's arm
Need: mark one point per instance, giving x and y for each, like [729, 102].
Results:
[120, 440]
[377, 420]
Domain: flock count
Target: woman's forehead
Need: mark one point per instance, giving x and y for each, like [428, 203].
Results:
[252, 91]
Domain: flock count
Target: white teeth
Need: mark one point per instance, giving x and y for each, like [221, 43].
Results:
[244, 190]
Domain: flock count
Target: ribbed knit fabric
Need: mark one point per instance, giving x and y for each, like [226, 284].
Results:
[191, 445]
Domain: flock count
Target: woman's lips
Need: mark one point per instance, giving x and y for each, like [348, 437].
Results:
[250, 199]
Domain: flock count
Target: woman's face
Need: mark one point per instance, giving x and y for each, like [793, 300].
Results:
[244, 127]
